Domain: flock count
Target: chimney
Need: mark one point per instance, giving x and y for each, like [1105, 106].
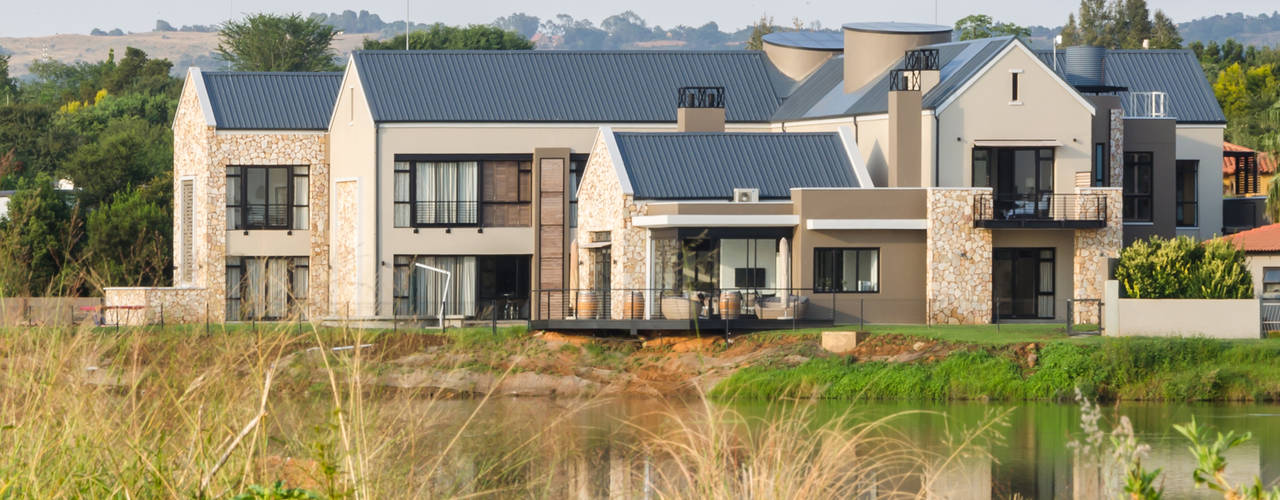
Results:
[904, 127]
[871, 48]
[700, 109]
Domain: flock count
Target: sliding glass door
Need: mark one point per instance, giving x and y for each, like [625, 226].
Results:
[1023, 283]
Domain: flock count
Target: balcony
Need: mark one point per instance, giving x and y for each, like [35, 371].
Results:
[1044, 211]
[1148, 104]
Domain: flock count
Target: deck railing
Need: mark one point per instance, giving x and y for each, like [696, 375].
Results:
[1043, 210]
[801, 304]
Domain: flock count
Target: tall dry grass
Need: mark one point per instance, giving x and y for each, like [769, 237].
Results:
[147, 412]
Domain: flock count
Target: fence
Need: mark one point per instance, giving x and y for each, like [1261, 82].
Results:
[47, 311]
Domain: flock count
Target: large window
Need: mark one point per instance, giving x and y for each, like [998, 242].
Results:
[855, 270]
[436, 193]
[577, 166]
[266, 288]
[1137, 187]
[479, 286]
[1271, 282]
[1186, 195]
[1101, 167]
[273, 197]
[506, 193]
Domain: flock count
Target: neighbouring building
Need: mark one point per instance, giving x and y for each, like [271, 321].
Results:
[1245, 176]
[884, 172]
[1261, 246]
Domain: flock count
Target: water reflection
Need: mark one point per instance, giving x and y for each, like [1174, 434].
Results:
[1031, 460]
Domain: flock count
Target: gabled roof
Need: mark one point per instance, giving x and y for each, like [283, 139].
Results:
[1175, 72]
[701, 166]
[1266, 162]
[822, 94]
[1258, 239]
[562, 86]
[271, 101]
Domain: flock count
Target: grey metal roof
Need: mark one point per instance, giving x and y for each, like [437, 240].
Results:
[272, 101]
[822, 94]
[562, 86]
[1175, 72]
[692, 166]
[896, 27]
[812, 40]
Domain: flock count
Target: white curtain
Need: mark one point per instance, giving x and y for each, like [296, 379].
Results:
[468, 177]
[427, 287]
[255, 286]
[277, 288]
[233, 290]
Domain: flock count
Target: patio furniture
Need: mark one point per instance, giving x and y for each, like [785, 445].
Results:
[680, 307]
[775, 308]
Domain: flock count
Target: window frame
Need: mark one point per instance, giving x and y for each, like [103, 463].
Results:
[295, 304]
[1180, 204]
[837, 268]
[1262, 291]
[525, 165]
[238, 174]
[1131, 179]
[1101, 167]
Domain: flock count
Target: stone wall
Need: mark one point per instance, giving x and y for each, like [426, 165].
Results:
[1117, 147]
[1093, 248]
[133, 306]
[602, 206]
[957, 259]
[201, 154]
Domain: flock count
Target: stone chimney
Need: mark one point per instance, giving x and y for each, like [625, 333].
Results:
[700, 109]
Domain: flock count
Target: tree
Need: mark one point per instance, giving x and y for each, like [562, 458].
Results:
[129, 153]
[762, 27]
[1164, 34]
[267, 42]
[979, 26]
[38, 241]
[1095, 23]
[1131, 24]
[519, 22]
[129, 239]
[441, 37]
[1182, 268]
[162, 25]
[1071, 33]
[8, 89]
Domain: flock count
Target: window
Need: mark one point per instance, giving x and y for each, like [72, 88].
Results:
[1186, 194]
[267, 197]
[436, 193]
[1271, 282]
[1014, 85]
[418, 292]
[855, 270]
[749, 277]
[1100, 165]
[577, 165]
[1137, 187]
[266, 288]
[981, 167]
[188, 220]
[506, 193]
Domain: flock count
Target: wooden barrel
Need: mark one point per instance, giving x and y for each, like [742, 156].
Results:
[588, 304]
[633, 307]
[730, 305]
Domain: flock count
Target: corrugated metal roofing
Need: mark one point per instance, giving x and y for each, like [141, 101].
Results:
[822, 95]
[813, 40]
[562, 86]
[272, 101]
[692, 166]
[1175, 72]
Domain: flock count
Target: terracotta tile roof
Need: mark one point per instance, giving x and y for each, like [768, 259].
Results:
[1266, 162]
[1258, 239]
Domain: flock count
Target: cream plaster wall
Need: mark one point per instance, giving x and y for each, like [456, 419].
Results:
[1204, 143]
[352, 139]
[1257, 263]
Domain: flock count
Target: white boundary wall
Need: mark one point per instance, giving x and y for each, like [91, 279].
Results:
[1216, 318]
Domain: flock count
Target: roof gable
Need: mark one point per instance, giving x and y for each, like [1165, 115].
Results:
[271, 101]
[562, 86]
[694, 166]
[1175, 72]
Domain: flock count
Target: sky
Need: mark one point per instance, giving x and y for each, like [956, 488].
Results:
[22, 18]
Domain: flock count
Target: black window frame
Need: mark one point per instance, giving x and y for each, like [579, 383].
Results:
[1133, 194]
[525, 167]
[577, 167]
[1101, 167]
[238, 174]
[832, 257]
[1016, 97]
[294, 301]
[1181, 205]
[1262, 292]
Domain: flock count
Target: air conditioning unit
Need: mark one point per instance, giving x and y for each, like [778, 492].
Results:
[746, 195]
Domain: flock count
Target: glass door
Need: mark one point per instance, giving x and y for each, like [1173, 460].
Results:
[1023, 283]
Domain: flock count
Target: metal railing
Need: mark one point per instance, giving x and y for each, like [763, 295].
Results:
[921, 59]
[904, 79]
[799, 304]
[446, 213]
[700, 97]
[267, 216]
[1148, 104]
[1022, 208]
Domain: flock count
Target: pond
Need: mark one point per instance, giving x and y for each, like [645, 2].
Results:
[1029, 457]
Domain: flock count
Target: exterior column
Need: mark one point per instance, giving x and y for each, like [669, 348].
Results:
[1093, 249]
[957, 259]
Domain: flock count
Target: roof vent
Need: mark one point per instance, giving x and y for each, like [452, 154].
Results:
[746, 195]
[1085, 65]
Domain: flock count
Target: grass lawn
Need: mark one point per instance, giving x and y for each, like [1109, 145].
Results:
[972, 334]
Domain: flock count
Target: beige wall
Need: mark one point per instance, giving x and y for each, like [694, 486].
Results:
[796, 62]
[869, 53]
[857, 203]
[1204, 143]
[269, 243]
[1257, 262]
[718, 208]
[1222, 319]
[984, 112]
[901, 298]
[352, 137]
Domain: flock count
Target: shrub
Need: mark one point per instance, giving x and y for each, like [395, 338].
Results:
[1181, 268]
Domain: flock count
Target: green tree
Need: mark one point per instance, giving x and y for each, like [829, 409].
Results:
[29, 140]
[7, 86]
[38, 239]
[762, 27]
[1070, 32]
[267, 42]
[1095, 23]
[129, 152]
[1131, 24]
[129, 239]
[1164, 34]
[979, 26]
[138, 73]
[441, 37]
[519, 22]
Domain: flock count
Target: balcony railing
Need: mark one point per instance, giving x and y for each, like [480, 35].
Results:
[1152, 104]
[445, 213]
[1077, 211]
[267, 216]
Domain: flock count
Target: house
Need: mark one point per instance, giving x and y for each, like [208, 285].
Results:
[1245, 176]
[1261, 246]
[994, 181]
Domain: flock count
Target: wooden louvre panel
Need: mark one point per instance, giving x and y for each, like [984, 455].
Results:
[552, 210]
[552, 241]
[552, 175]
[188, 220]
